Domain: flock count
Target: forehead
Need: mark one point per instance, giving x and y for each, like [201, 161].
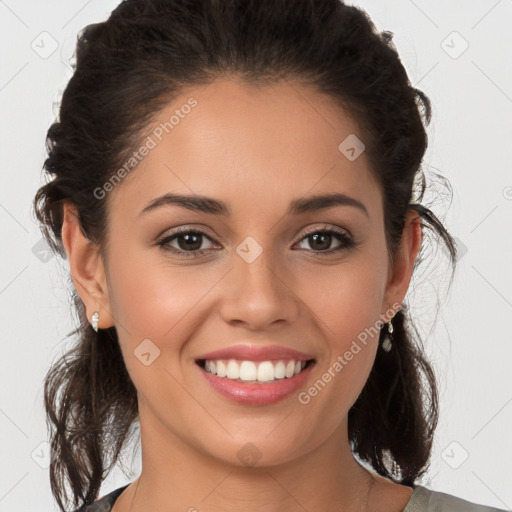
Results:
[246, 145]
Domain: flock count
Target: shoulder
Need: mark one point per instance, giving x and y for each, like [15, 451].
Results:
[103, 504]
[427, 500]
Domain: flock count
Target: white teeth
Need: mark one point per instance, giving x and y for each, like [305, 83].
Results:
[290, 369]
[233, 370]
[222, 371]
[248, 370]
[264, 371]
[279, 370]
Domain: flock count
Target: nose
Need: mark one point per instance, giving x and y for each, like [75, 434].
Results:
[259, 295]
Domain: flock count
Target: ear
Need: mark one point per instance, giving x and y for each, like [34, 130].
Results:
[401, 272]
[87, 268]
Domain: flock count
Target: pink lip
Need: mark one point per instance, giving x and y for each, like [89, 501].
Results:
[257, 394]
[256, 353]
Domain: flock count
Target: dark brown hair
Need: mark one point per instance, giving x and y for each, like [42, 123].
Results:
[131, 66]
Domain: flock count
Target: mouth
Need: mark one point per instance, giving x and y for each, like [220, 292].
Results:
[255, 383]
[254, 372]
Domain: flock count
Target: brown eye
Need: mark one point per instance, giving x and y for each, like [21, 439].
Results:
[189, 242]
[320, 240]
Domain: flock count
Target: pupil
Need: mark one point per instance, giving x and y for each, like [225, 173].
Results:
[189, 238]
[325, 236]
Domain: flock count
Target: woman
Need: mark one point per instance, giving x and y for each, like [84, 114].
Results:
[237, 188]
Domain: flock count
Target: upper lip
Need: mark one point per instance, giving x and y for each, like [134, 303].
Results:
[256, 353]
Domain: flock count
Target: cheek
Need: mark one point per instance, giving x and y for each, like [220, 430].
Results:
[149, 296]
[347, 314]
[346, 299]
[157, 308]
[347, 317]
[153, 303]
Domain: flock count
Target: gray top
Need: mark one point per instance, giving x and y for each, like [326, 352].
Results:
[426, 500]
[421, 500]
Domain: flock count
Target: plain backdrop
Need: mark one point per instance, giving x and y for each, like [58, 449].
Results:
[458, 53]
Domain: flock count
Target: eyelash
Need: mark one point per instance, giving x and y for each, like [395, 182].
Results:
[347, 241]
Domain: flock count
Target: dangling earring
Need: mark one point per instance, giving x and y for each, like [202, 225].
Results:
[386, 344]
[95, 319]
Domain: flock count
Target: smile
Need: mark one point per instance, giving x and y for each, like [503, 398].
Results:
[254, 371]
[255, 383]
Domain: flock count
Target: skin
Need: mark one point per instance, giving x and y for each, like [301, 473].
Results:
[256, 149]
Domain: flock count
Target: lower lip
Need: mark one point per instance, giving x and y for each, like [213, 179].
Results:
[257, 394]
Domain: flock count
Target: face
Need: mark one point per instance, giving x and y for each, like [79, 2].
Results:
[257, 277]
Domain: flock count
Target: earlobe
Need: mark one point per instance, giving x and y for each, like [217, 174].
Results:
[86, 267]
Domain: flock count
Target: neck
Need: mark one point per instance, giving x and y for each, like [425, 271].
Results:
[177, 477]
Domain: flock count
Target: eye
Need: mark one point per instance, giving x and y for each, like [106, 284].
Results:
[322, 239]
[189, 242]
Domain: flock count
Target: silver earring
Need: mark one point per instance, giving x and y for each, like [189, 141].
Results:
[386, 344]
[95, 319]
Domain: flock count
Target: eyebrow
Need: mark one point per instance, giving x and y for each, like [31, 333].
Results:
[214, 206]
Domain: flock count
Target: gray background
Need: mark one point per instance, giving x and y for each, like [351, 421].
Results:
[458, 53]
